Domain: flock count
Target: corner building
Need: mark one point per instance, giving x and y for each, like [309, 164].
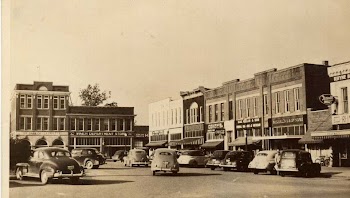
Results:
[38, 114]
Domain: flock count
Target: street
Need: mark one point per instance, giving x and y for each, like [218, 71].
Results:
[115, 180]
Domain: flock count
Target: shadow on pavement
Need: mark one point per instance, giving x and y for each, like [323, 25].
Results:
[184, 174]
[15, 184]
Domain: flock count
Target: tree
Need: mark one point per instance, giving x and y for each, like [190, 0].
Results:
[93, 96]
[112, 104]
[20, 151]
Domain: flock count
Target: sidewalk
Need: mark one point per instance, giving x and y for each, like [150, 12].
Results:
[343, 172]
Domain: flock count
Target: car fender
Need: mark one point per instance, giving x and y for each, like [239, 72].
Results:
[88, 159]
[49, 167]
[22, 165]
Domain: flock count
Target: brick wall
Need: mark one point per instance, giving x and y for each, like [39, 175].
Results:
[320, 120]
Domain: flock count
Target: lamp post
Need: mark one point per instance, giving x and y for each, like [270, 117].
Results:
[246, 140]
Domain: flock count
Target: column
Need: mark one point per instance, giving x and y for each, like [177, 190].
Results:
[75, 142]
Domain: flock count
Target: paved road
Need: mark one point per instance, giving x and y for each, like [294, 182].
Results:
[115, 180]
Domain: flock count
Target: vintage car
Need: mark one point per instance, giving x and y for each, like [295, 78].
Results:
[88, 157]
[136, 157]
[119, 155]
[216, 159]
[264, 161]
[165, 160]
[193, 158]
[295, 161]
[237, 160]
[48, 163]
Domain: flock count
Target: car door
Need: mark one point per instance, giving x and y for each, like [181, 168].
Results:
[201, 158]
[32, 163]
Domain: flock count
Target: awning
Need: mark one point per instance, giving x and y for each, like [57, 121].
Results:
[307, 139]
[189, 140]
[156, 144]
[331, 134]
[241, 141]
[174, 142]
[213, 144]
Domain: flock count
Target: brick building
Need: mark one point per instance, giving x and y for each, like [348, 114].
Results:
[105, 128]
[38, 114]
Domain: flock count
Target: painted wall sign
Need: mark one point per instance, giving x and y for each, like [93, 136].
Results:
[216, 127]
[340, 78]
[123, 134]
[248, 123]
[327, 99]
[141, 135]
[341, 119]
[194, 127]
[41, 133]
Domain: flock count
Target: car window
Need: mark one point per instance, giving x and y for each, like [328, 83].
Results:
[139, 152]
[76, 151]
[262, 154]
[60, 154]
[289, 155]
[41, 155]
[165, 153]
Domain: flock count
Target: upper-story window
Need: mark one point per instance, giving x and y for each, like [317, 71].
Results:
[58, 124]
[25, 101]
[201, 114]
[127, 124]
[46, 102]
[266, 104]
[106, 124]
[210, 113]
[247, 104]
[222, 112]
[175, 116]
[180, 116]
[240, 108]
[55, 102]
[172, 117]
[97, 124]
[277, 102]
[255, 106]
[286, 101]
[113, 126]
[80, 124]
[62, 102]
[25, 123]
[194, 112]
[62, 123]
[120, 124]
[345, 99]
[230, 110]
[42, 123]
[39, 102]
[296, 99]
[216, 112]
[72, 124]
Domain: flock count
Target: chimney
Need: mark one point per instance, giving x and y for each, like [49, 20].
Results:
[325, 63]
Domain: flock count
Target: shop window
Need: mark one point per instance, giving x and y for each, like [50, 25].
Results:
[62, 124]
[344, 152]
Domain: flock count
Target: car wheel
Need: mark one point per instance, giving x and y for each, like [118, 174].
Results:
[212, 168]
[89, 164]
[44, 177]
[282, 174]
[256, 172]
[19, 173]
[194, 164]
[74, 180]
[96, 166]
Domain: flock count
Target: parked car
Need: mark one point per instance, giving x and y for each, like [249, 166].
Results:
[48, 163]
[294, 161]
[88, 157]
[216, 159]
[119, 155]
[136, 157]
[165, 160]
[193, 158]
[264, 161]
[237, 160]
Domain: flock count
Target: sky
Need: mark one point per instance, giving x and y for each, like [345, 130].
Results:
[145, 51]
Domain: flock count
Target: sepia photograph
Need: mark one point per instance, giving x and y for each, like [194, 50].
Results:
[176, 99]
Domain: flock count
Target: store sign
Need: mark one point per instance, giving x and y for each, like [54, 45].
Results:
[327, 99]
[41, 133]
[248, 123]
[194, 127]
[157, 132]
[218, 128]
[289, 120]
[141, 135]
[341, 119]
[340, 78]
[124, 134]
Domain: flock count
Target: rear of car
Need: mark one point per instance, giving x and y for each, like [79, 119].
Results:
[165, 160]
[237, 160]
[136, 157]
[216, 159]
[263, 161]
[192, 158]
[118, 155]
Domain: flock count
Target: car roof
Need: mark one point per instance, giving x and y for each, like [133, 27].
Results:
[268, 151]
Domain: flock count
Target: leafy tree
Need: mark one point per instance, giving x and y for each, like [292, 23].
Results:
[112, 104]
[93, 96]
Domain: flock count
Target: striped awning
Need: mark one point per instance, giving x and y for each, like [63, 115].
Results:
[240, 141]
[332, 134]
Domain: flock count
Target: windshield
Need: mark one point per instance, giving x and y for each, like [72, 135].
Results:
[219, 154]
[60, 154]
[288, 155]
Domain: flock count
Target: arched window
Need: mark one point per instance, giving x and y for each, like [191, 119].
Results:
[41, 143]
[42, 88]
[194, 112]
[57, 143]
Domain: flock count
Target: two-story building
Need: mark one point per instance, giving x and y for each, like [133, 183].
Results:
[38, 114]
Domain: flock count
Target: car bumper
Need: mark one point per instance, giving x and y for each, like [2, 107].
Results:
[140, 163]
[287, 170]
[228, 166]
[212, 165]
[165, 169]
[60, 174]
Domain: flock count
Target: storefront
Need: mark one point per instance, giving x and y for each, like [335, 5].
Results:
[215, 137]
[158, 139]
[247, 133]
[193, 136]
